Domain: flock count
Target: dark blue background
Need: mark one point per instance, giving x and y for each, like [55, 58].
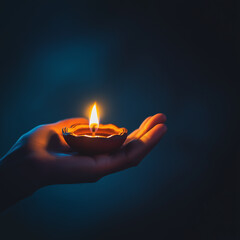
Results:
[135, 59]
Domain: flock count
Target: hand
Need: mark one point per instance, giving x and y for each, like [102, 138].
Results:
[41, 157]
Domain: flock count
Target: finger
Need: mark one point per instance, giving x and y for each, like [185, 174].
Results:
[144, 128]
[147, 124]
[145, 121]
[133, 152]
[148, 141]
[132, 135]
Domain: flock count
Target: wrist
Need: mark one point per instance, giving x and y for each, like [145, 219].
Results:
[7, 198]
[15, 182]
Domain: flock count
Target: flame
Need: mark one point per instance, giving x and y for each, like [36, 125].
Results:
[94, 122]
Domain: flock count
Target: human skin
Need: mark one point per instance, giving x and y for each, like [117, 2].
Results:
[41, 157]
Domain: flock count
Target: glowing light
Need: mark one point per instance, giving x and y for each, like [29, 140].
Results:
[94, 122]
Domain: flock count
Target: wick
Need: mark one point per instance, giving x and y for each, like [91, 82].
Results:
[93, 130]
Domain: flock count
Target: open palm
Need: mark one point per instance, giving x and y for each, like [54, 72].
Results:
[41, 157]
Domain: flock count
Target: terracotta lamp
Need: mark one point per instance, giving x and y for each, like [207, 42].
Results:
[94, 138]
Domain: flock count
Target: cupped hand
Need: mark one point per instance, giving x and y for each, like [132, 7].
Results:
[41, 157]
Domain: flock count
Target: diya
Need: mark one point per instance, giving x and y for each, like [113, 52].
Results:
[94, 138]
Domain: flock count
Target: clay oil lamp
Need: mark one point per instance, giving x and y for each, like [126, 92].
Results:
[94, 138]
